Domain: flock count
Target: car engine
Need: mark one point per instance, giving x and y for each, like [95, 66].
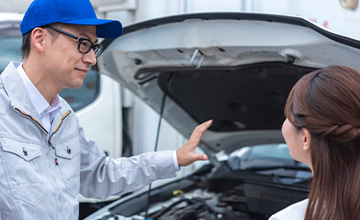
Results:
[219, 193]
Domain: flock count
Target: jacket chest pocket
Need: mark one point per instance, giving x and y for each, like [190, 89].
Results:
[21, 164]
[69, 159]
[22, 161]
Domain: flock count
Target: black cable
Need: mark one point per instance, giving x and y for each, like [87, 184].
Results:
[156, 145]
[166, 209]
[126, 141]
[190, 202]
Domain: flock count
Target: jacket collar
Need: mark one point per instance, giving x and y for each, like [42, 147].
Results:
[16, 90]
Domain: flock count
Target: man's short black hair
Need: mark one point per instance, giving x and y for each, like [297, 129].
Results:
[26, 46]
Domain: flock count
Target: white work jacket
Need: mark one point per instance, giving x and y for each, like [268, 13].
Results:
[41, 177]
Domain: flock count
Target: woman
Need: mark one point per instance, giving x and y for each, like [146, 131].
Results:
[322, 130]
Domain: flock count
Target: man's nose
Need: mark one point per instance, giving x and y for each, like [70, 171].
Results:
[90, 57]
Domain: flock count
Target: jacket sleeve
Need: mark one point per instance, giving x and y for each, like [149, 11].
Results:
[101, 176]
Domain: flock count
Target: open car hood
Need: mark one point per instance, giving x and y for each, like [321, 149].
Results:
[234, 68]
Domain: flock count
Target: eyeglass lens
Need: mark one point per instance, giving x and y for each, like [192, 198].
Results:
[86, 45]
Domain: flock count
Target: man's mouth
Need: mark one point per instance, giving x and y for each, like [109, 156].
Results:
[84, 71]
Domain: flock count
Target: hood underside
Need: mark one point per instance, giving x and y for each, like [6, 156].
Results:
[247, 97]
[234, 68]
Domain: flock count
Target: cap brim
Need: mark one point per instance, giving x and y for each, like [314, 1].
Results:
[104, 28]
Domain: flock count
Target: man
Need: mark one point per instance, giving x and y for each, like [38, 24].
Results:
[45, 159]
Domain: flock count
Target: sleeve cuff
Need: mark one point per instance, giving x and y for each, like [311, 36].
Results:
[176, 164]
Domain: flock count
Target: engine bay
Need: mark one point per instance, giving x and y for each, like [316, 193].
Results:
[219, 193]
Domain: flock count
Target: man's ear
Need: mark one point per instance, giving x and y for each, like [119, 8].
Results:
[38, 39]
[306, 139]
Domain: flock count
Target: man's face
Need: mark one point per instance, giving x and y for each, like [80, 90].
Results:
[67, 67]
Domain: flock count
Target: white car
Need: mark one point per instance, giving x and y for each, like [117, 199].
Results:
[234, 68]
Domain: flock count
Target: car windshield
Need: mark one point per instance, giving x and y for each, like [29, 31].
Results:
[264, 155]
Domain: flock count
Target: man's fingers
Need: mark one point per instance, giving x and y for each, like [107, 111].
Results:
[192, 158]
[201, 157]
[186, 154]
[199, 131]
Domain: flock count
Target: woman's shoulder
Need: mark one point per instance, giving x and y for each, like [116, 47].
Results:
[296, 211]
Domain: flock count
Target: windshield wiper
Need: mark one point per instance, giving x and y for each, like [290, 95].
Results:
[286, 167]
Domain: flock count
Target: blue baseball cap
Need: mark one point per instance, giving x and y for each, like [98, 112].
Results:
[80, 12]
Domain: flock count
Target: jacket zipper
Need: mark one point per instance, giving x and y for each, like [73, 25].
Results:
[52, 146]
[56, 129]
[59, 125]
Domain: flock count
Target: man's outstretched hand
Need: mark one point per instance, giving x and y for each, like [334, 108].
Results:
[186, 154]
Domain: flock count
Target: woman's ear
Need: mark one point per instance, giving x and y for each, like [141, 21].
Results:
[306, 140]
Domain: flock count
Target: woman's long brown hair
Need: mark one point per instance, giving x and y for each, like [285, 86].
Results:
[327, 103]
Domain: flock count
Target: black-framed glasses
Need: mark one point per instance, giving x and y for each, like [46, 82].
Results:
[85, 45]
